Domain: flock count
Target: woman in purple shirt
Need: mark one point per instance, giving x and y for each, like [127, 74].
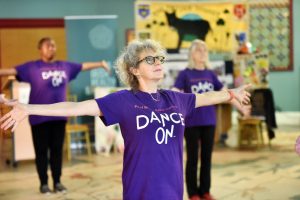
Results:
[151, 120]
[49, 80]
[201, 122]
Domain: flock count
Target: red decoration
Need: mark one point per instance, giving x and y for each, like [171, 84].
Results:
[239, 11]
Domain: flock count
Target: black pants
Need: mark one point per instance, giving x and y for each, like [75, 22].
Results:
[196, 137]
[49, 137]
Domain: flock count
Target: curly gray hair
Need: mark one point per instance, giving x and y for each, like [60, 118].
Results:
[129, 58]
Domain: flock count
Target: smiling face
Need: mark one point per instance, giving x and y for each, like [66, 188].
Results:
[147, 70]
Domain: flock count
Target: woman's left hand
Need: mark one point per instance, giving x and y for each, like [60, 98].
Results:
[241, 94]
[105, 66]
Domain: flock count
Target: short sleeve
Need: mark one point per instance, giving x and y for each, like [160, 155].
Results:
[180, 81]
[23, 72]
[218, 85]
[73, 69]
[186, 101]
[111, 107]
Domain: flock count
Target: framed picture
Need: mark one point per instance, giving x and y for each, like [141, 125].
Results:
[271, 30]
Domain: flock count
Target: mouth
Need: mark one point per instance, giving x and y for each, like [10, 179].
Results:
[158, 70]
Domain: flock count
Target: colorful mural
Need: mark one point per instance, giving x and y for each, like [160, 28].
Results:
[176, 24]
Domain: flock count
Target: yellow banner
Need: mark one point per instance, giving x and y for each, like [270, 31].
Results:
[176, 24]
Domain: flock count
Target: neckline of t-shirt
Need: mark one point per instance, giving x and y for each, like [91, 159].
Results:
[148, 93]
[146, 99]
[47, 63]
[154, 97]
[200, 70]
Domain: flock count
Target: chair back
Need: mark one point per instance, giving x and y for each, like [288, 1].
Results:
[73, 119]
[258, 103]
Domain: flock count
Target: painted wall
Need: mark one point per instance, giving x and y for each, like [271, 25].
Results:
[285, 85]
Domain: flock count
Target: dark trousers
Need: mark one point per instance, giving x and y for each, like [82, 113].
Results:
[196, 138]
[49, 137]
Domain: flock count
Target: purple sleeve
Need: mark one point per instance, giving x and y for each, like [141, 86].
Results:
[73, 69]
[23, 72]
[111, 107]
[180, 81]
[187, 101]
[218, 85]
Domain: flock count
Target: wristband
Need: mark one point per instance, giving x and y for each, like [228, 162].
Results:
[231, 94]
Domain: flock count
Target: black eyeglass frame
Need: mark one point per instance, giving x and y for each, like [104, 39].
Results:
[152, 60]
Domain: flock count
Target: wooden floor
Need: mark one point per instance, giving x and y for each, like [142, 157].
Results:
[237, 174]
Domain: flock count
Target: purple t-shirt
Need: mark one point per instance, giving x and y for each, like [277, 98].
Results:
[153, 138]
[199, 81]
[48, 82]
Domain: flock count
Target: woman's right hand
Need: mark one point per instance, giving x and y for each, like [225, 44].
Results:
[13, 117]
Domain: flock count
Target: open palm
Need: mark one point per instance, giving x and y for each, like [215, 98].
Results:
[242, 95]
[13, 117]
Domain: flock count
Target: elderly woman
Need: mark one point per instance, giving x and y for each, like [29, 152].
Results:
[151, 120]
[199, 134]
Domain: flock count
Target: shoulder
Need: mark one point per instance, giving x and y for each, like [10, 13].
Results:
[121, 94]
[186, 70]
[211, 72]
[28, 64]
[175, 94]
[66, 63]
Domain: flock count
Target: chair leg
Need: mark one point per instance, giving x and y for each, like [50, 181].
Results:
[88, 143]
[258, 135]
[239, 134]
[68, 138]
[261, 133]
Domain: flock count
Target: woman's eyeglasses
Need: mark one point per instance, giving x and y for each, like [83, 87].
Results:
[151, 60]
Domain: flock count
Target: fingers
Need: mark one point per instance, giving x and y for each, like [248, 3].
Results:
[246, 100]
[2, 98]
[106, 67]
[4, 117]
[15, 126]
[248, 94]
[8, 123]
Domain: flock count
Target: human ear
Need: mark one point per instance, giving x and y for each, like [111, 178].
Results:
[134, 71]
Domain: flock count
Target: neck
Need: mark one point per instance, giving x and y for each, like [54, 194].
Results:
[46, 60]
[200, 66]
[149, 87]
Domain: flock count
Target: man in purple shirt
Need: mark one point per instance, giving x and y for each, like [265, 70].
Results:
[151, 120]
[49, 80]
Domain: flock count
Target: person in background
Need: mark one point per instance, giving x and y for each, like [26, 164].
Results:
[48, 79]
[151, 121]
[199, 134]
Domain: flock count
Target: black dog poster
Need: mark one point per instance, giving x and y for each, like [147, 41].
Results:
[176, 24]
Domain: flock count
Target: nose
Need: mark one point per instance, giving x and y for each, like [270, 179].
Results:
[157, 61]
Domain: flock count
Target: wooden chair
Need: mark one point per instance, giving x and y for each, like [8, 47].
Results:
[76, 132]
[250, 131]
[251, 128]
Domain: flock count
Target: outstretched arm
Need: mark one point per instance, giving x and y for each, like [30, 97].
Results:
[93, 65]
[8, 72]
[21, 111]
[239, 94]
